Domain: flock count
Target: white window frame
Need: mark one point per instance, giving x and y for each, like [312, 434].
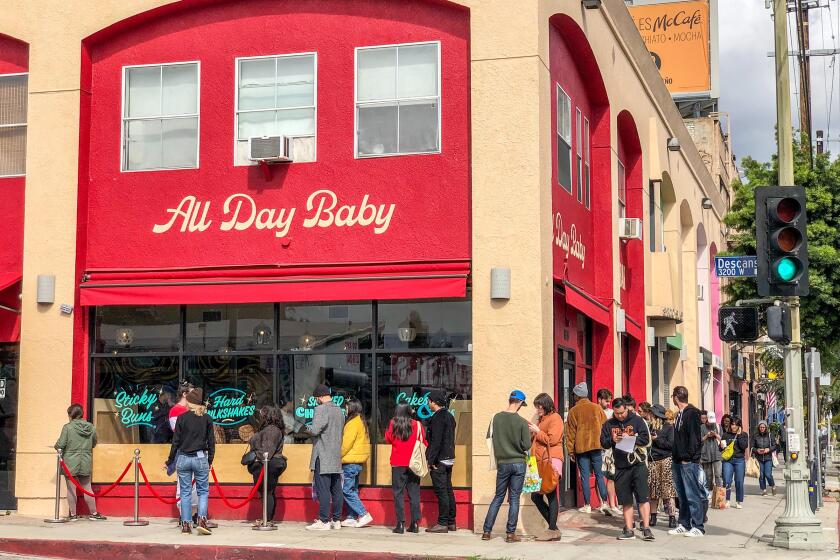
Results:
[563, 138]
[24, 125]
[587, 157]
[622, 188]
[236, 110]
[396, 101]
[579, 153]
[124, 119]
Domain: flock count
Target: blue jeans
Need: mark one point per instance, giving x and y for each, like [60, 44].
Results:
[350, 489]
[509, 479]
[586, 463]
[765, 478]
[734, 467]
[692, 493]
[187, 468]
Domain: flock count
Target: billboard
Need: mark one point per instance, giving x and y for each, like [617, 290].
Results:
[681, 38]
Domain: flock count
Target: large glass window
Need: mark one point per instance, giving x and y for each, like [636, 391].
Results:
[398, 100]
[13, 95]
[564, 140]
[160, 117]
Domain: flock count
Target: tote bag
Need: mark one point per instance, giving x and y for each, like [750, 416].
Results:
[753, 469]
[490, 450]
[418, 464]
[533, 482]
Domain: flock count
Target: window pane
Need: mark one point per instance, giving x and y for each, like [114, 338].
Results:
[377, 129]
[326, 327]
[377, 74]
[256, 83]
[564, 164]
[260, 123]
[578, 132]
[221, 328]
[348, 375]
[579, 178]
[13, 99]
[13, 150]
[417, 75]
[418, 127]
[296, 122]
[180, 89]
[586, 185]
[143, 144]
[180, 142]
[295, 81]
[124, 329]
[143, 99]
[132, 398]
[586, 141]
[425, 324]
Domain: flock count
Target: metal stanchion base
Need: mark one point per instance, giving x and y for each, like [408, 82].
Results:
[211, 525]
[59, 520]
[266, 527]
[137, 523]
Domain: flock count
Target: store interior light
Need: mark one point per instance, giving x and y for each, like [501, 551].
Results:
[262, 335]
[407, 332]
[125, 337]
[306, 341]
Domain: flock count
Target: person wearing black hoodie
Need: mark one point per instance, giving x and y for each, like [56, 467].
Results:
[441, 457]
[686, 467]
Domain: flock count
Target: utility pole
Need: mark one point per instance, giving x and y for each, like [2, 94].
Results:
[804, 42]
[797, 528]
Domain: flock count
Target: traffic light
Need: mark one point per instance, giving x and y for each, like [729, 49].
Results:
[738, 324]
[778, 324]
[781, 241]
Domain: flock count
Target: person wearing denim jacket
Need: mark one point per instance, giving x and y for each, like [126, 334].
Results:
[355, 452]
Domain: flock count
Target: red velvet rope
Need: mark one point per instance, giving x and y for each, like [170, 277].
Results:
[151, 488]
[98, 494]
[244, 502]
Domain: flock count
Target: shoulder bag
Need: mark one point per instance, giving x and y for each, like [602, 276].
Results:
[728, 451]
[418, 464]
[490, 450]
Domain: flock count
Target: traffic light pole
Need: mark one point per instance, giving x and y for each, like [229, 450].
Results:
[797, 528]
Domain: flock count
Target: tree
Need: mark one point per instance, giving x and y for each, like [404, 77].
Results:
[820, 313]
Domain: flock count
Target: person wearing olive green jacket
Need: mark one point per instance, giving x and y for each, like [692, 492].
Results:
[76, 443]
[355, 451]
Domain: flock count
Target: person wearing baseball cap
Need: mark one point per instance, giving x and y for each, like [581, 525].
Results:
[511, 443]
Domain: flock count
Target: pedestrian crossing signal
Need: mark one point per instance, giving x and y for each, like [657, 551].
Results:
[738, 324]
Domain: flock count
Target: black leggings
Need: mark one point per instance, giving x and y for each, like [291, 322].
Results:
[549, 506]
[276, 466]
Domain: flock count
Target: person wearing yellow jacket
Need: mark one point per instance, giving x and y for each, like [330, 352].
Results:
[355, 451]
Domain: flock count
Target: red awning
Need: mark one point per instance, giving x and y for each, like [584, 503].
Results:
[9, 278]
[587, 305]
[9, 326]
[633, 328]
[204, 287]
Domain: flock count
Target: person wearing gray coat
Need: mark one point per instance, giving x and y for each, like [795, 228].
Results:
[327, 431]
[710, 456]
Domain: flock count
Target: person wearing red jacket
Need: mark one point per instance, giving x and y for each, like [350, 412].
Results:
[402, 433]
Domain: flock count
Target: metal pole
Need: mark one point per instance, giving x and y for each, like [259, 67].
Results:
[264, 525]
[57, 518]
[136, 522]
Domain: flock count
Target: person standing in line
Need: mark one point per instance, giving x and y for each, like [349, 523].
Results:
[76, 443]
[735, 467]
[403, 433]
[327, 431]
[631, 472]
[511, 443]
[686, 468]
[583, 431]
[192, 451]
[605, 398]
[710, 458]
[355, 452]
[763, 449]
[547, 448]
[175, 412]
[269, 439]
[661, 479]
[441, 458]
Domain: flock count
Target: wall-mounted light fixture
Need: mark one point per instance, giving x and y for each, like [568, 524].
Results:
[499, 283]
[674, 144]
[45, 291]
[591, 4]
[707, 203]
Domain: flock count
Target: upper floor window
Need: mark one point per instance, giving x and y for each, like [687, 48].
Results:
[622, 190]
[276, 95]
[160, 117]
[564, 140]
[579, 151]
[586, 160]
[13, 91]
[398, 100]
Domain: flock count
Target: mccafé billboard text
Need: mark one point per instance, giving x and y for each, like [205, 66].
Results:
[677, 34]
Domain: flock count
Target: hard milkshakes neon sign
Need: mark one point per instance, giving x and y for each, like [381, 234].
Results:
[229, 407]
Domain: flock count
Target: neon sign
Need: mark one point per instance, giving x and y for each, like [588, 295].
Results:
[307, 408]
[141, 415]
[229, 407]
[419, 402]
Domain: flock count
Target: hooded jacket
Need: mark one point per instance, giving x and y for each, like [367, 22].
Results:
[687, 435]
[710, 452]
[763, 441]
[76, 442]
[583, 426]
[632, 425]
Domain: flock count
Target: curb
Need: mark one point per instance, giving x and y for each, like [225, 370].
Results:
[96, 550]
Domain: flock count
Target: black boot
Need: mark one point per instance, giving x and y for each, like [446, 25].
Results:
[399, 529]
[672, 522]
[652, 520]
[413, 528]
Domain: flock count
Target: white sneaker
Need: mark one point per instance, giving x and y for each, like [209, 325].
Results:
[349, 522]
[738, 505]
[678, 530]
[695, 532]
[318, 526]
[335, 525]
[363, 521]
[585, 509]
[618, 511]
[605, 509]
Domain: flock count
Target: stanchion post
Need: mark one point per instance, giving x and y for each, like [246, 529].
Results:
[57, 518]
[264, 525]
[136, 522]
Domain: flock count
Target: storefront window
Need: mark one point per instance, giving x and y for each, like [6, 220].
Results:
[425, 324]
[127, 330]
[222, 328]
[325, 328]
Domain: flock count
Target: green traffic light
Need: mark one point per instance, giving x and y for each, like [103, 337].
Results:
[786, 269]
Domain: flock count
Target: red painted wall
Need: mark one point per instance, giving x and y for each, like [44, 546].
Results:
[14, 59]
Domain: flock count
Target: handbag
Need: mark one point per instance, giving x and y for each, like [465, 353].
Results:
[549, 475]
[249, 458]
[718, 497]
[609, 462]
[753, 469]
[491, 452]
[418, 464]
[728, 451]
[775, 459]
[533, 482]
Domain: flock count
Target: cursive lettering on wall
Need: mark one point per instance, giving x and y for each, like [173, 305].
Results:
[569, 241]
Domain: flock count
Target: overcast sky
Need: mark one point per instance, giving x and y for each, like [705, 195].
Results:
[747, 83]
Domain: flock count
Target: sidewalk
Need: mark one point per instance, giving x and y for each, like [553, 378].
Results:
[730, 534]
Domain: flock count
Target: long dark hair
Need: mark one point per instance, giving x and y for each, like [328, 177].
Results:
[401, 424]
[271, 416]
[354, 408]
[723, 420]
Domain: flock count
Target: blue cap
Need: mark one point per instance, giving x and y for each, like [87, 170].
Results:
[518, 395]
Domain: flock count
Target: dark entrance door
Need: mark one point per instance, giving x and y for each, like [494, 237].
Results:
[565, 383]
[8, 423]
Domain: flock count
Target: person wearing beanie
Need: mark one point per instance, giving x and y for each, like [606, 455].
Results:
[327, 431]
[192, 451]
[441, 457]
[710, 457]
[763, 449]
[583, 444]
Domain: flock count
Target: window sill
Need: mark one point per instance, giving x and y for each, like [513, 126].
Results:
[374, 156]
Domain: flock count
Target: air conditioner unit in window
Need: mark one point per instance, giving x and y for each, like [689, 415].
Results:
[630, 228]
[269, 149]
